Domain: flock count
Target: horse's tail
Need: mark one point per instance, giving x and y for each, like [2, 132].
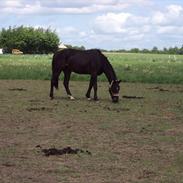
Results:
[55, 74]
[55, 83]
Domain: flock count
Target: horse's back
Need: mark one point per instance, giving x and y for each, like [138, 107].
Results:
[64, 54]
[60, 58]
[86, 62]
[79, 61]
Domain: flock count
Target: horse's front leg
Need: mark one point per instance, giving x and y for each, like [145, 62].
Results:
[93, 83]
[67, 75]
[51, 89]
[95, 88]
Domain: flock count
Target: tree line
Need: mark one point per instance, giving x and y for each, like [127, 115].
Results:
[75, 47]
[172, 50]
[29, 40]
[32, 40]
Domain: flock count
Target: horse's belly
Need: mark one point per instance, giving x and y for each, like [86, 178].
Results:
[81, 71]
[84, 67]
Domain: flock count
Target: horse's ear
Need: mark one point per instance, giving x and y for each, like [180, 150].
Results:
[119, 81]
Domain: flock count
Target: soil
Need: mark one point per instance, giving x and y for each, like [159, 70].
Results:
[79, 141]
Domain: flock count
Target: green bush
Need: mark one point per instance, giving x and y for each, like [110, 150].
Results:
[29, 40]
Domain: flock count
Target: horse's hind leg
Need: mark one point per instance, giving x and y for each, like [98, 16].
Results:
[67, 75]
[54, 82]
[89, 89]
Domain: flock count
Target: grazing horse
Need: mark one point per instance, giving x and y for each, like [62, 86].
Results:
[91, 62]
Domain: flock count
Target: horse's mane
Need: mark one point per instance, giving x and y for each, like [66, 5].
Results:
[108, 69]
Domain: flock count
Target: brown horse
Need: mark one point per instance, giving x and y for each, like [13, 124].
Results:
[91, 62]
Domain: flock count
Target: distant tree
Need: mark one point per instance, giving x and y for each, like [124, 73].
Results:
[122, 50]
[0, 40]
[75, 47]
[176, 50]
[155, 50]
[165, 50]
[171, 50]
[104, 50]
[145, 51]
[134, 50]
[29, 40]
[181, 51]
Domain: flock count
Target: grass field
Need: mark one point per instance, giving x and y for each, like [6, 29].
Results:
[136, 140]
[145, 68]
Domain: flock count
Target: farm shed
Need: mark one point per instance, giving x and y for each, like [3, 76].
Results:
[62, 46]
[16, 52]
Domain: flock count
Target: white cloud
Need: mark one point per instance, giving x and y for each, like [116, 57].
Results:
[66, 6]
[175, 10]
[174, 30]
[12, 4]
[111, 23]
[128, 28]
[122, 26]
[167, 24]
[135, 37]
[89, 4]
[159, 18]
[173, 14]
[67, 31]
[71, 33]
[108, 23]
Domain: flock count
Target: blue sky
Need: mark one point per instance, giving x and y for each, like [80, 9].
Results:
[107, 24]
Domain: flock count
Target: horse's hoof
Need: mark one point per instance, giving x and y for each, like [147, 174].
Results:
[96, 99]
[71, 97]
[89, 99]
[51, 98]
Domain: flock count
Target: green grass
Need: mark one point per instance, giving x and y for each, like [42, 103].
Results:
[145, 68]
[25, 67]
[148, 68]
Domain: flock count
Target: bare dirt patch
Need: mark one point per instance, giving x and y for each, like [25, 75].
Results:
[67, 150]
[132, 97]
[136, 140]
[17, 89]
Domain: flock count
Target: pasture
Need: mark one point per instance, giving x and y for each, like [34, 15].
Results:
[144, 68]
[137, 140]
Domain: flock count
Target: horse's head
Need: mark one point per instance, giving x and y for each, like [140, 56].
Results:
[114, 90]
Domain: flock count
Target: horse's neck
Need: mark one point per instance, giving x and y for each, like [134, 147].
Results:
[109, 71]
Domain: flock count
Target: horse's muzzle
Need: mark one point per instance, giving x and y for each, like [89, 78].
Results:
[114, 96]
[115, 99]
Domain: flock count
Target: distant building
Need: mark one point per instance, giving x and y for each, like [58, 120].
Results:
[1, 51]
[62, 46]
[16, 52]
